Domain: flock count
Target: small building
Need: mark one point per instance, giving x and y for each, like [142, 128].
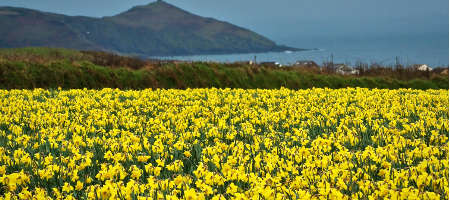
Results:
[244, 62]
[306, 63]
[344, 69]
[422, 67]
[441, 70]
[271, 64]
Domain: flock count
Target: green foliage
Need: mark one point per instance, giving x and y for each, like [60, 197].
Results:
[66, 74]
[41, 54]
[28, 68]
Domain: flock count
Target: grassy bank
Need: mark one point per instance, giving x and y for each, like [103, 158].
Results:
[21, 75]
[50, 68]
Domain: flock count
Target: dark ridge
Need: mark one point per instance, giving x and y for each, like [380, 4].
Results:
[155, 29]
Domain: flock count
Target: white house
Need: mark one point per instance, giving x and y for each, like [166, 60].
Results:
[345, 70]
[423, 68]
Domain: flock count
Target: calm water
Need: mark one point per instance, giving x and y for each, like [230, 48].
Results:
[430, 50]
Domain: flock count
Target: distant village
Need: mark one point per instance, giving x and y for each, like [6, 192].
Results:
[336, 68]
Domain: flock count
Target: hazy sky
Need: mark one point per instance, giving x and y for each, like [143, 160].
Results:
[286, 21]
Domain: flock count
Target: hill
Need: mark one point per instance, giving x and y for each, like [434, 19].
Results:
[156, 29]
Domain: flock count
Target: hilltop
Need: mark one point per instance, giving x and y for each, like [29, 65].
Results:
[155, 29]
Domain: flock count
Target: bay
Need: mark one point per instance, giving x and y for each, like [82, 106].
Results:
[430, 49]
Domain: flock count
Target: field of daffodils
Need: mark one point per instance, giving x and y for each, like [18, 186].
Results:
[224, 144]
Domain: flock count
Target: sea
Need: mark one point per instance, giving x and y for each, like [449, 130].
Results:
[432, 50]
